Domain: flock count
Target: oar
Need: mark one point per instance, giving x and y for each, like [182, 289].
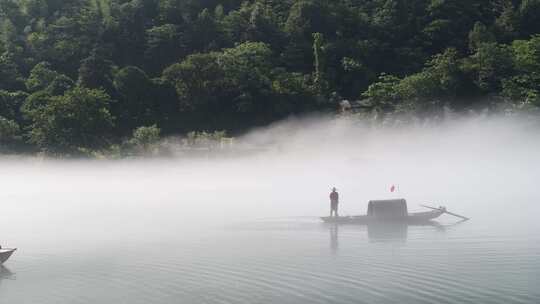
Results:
[429, 207]
[444, 210]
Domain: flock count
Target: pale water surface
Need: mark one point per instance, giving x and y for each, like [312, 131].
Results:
[245, 230]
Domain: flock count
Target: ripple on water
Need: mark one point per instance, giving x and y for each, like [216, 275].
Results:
[306, 265]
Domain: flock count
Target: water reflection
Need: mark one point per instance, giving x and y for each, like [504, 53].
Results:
[384, 232]
[387, 232]
[5, 273]
[334, 238]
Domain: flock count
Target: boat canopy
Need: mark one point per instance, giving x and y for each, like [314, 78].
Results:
[388, 208]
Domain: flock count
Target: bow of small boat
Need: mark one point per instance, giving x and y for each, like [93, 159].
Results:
[5, 254]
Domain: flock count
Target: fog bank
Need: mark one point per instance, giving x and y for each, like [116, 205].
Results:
[480, 166]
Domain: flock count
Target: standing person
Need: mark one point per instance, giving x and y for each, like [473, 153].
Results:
[334, 202]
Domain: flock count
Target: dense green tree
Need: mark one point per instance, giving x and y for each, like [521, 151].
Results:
[383, 94]
[71, 38]
[206, 34]
[37, 8]
[529, 15]
[306, 17]
[136, 105]
[452, 20]
[440, 79]
[525, 86]
[95, 71]
[144, 138]
[10, 133]
[78, 119]
[247, 70]
[13, 11]
[292, 94]
[506, 23]
[479, 35]
[188, 65]
[10, 104]
[40, 77]
[127, 32]
[527, 54]
[164, 46]
[10, 76]
[197, 80]
[490, 65]
[43, 78]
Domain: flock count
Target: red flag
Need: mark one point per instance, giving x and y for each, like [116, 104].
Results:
[393, 188]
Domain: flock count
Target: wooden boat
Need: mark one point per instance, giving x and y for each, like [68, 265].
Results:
[5, 254]
[390, 211]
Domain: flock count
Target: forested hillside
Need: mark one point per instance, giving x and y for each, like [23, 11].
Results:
[84, 74]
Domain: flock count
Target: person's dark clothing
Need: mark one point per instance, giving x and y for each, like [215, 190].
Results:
[334, 202]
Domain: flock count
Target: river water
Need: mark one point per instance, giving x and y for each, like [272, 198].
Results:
[247, 230]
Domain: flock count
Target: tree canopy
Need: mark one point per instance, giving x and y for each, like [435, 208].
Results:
[84, 74]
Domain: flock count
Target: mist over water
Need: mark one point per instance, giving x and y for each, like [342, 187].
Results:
[244, 228]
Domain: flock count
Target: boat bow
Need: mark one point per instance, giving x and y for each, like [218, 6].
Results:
[5, 254]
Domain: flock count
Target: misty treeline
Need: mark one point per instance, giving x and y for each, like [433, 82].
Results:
[83, 75]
